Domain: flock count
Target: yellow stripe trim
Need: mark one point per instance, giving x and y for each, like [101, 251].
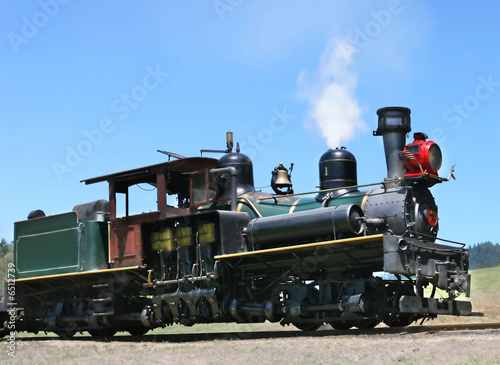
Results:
[251, 205]
[307, 245]
[294, 205]
[110, 259]
[340, 159]
[81, 273]
[365, 199]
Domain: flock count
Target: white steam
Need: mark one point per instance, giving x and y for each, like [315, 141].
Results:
[334, 110]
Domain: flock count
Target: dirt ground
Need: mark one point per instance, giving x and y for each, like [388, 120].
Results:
[457, 347]
[246, 347]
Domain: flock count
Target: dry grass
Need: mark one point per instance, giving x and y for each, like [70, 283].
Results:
[422, 348]
[487, 303]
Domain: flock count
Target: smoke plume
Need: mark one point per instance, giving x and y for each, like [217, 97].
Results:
[334, 110]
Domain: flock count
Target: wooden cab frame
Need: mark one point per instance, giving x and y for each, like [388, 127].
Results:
[126, 240]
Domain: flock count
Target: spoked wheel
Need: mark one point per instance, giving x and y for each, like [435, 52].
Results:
[307, 326]
[400, 320]
[104, 328]
[366, 323]
[360, 324]
[138, 331]
[345, 325]
[312, 298]
[394, 292]
[65, 335]
[102, 332]
[69, 331]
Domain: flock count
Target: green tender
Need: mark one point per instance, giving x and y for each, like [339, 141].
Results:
[58, 244]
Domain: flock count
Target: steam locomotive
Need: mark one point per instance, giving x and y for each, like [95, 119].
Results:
[229, 253]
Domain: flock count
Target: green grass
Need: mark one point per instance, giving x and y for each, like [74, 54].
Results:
[482, 281]
[485, 296]
[485, 280]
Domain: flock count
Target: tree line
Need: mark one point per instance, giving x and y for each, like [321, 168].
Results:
[483, 255]
[6, 256]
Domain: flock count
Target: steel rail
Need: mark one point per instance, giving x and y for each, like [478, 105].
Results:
[247, 335]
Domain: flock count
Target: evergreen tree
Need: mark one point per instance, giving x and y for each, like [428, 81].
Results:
[4, 246]
[483, 255]
[6, 257]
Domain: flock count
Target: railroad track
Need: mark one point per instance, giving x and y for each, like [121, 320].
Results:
[440, 327]
[194, 337]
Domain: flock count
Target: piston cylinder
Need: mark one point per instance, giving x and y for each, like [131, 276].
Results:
[305, 226]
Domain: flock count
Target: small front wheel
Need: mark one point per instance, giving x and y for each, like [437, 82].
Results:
[307, 326]
[138, 331]
[102, 332]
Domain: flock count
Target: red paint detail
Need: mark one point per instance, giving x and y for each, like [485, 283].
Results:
[432, 216]
[414, 160]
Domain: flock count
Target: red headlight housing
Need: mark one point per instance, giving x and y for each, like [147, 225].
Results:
[421, 157]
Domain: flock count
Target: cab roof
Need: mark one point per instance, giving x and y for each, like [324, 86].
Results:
[176, 172]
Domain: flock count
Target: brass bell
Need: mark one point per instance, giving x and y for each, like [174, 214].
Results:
[282, 179]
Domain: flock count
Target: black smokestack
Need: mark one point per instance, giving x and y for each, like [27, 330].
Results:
[393, 125]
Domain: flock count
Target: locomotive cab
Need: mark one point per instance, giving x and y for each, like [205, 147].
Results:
[172, 178]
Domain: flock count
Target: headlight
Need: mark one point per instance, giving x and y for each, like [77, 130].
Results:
[421, 157]
[435, 157]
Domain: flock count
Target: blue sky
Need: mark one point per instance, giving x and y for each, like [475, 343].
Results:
[94, 87]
